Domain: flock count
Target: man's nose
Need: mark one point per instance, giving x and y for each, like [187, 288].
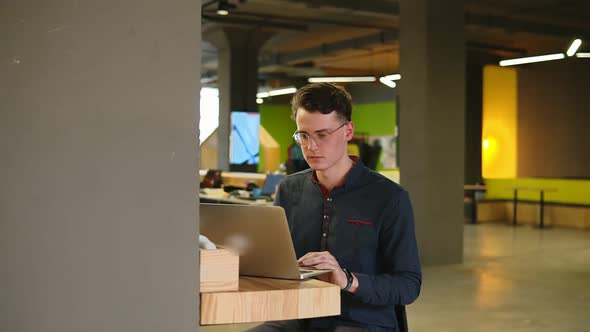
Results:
[312, 145]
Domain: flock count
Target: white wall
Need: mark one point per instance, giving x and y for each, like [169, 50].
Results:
[98, 164]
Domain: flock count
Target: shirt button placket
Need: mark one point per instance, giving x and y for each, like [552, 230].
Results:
[326, 222]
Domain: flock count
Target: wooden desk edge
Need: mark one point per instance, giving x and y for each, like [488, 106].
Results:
[264, 299]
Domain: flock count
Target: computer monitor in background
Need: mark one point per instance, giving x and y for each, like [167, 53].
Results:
[244, 141]
[270, 183]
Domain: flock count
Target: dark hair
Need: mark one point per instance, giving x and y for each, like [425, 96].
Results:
[324, 98]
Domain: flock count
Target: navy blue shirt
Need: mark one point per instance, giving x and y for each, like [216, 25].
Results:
[368, 226]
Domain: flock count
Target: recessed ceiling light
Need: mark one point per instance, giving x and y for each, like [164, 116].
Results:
[223, 7]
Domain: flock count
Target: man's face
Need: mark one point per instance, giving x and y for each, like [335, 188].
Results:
[328, 138]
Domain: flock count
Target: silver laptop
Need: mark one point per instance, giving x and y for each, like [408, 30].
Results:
[261, 236]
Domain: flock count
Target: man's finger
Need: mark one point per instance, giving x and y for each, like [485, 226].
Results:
[325, 266]
[319, 260]
[308, 255]
[311, 255]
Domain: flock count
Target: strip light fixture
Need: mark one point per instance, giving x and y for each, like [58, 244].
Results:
[342, 79]
[276, 92]
[532, 59]
[393, 77]
[583, 55]
[387, 82]
[574, 46]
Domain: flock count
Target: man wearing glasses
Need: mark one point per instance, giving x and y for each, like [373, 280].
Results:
[347, 218]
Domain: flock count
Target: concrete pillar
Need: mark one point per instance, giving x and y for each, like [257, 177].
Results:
[237, 71]
[98, 149]
[432, 97]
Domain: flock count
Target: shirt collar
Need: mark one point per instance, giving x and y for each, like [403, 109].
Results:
[351, 177]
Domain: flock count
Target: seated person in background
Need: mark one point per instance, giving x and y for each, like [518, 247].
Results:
[349, 219]
[212, 179]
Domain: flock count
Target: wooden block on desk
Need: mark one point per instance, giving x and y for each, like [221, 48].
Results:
[264, 299]
[219, 270]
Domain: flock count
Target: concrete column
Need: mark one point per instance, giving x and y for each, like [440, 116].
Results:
[237, 72]
[98, 149]
[432, 97]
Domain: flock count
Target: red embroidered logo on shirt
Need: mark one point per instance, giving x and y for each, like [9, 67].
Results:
[360, 222]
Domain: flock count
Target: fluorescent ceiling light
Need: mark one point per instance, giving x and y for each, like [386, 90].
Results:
[574, 47]
[393, 77]
[583, 55]
[277, 92]
[206, 80]
[531, 59]
[340, 79]
[259, 101]
[387, 82]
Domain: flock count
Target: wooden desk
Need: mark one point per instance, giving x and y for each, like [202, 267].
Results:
[264, 299]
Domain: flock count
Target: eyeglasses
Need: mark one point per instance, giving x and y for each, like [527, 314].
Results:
[303, 139]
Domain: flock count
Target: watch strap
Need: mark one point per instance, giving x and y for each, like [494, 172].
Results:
[350, 278]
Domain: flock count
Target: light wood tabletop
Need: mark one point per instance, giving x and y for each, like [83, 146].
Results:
[264, 299]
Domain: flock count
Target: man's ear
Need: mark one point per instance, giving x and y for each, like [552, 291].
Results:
[349, 130]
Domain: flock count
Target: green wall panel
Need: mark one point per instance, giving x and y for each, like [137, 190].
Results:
[377, 119]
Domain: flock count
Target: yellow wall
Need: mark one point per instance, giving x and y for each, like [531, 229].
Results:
[499, 132]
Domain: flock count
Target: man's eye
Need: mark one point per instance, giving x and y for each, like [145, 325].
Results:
[322, 135]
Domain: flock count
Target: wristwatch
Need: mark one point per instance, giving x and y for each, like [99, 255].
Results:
[350, 279]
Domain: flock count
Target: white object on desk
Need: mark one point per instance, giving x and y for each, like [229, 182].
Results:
[205, 243]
